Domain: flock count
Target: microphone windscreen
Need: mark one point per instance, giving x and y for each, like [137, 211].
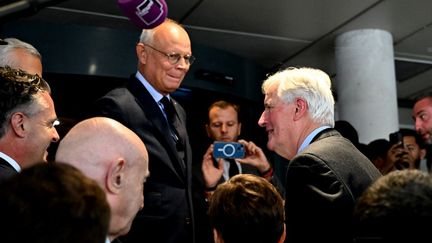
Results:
[146, 14]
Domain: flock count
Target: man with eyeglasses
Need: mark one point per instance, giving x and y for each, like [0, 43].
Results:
[20, 55]
[27, 121]
[145, 106]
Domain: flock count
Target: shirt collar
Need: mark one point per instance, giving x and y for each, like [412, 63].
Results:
[11, 161]
[309, 138]
[153, 92]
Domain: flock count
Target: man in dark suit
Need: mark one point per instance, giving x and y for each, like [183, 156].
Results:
[326, 173]
[223, 125]
[27, 120]
[144, 105]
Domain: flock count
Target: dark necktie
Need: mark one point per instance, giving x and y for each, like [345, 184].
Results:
[175, 128]
[171, 117]
[233, 169]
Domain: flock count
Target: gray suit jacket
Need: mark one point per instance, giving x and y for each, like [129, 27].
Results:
[323, 183]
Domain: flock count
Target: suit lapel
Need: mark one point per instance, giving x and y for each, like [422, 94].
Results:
[155, 115]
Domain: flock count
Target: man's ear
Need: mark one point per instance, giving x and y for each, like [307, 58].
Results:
[301, 107]
[207, 126]
[239, 129]
[18, 124]
[283, 236]
[115, 179]
[141, 53]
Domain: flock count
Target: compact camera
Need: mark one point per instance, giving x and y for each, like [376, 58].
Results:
[230, 150]
[396, 138]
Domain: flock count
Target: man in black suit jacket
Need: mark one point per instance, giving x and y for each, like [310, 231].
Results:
[164, 57]
[27, 120]
[223, 125]
[326, 173]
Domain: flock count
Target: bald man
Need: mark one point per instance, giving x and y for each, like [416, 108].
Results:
[115, 157]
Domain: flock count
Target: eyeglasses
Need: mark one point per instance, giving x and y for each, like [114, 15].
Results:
[174, 58]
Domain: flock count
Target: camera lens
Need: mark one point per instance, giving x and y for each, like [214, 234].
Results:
[228, 150]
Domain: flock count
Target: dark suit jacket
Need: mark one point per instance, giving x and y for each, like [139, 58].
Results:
[6, 170]
[323, 183]
[167, 215]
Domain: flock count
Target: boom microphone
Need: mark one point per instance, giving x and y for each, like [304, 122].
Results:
[146, 14]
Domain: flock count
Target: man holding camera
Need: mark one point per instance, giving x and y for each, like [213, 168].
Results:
[223, 160]
[406, 150]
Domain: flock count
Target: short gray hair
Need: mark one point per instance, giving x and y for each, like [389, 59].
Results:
[312, 85]
[11, 44]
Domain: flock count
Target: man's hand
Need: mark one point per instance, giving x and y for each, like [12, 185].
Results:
[254, 156]
[211, 173]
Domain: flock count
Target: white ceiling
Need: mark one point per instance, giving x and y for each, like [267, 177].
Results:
[279, 33]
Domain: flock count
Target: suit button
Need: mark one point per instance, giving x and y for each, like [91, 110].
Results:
[188, 221]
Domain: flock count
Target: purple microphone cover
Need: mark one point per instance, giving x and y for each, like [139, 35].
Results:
[145, 14]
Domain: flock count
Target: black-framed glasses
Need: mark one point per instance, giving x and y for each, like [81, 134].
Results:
[174, 58]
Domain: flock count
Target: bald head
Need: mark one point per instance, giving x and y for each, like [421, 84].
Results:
[92, 143]
[114, 156]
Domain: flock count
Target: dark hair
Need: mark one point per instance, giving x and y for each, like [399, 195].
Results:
[412, 133]
[347, 131]
[17, 90]
[223, 105]
[247, 208]
[421, 96]
[398, 206]
[53, 202]
[377, 148]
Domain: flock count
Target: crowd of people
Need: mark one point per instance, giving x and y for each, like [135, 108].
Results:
[126, 174]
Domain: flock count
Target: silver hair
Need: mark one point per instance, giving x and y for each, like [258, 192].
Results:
[12, 44]
[312, 85]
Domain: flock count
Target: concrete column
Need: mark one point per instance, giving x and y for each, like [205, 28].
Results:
[366, 82]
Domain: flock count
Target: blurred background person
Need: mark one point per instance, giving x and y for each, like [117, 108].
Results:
[20, 55]
[422, 116]
[53, 202]
[247, 208]
[114, 156]
[406, 150]
[395, 208]
[376, 151]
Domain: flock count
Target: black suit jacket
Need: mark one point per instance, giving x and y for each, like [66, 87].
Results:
[323, 183]
[167, 215]
[6, 170]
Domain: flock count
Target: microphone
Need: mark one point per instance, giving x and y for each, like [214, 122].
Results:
[146, 14]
